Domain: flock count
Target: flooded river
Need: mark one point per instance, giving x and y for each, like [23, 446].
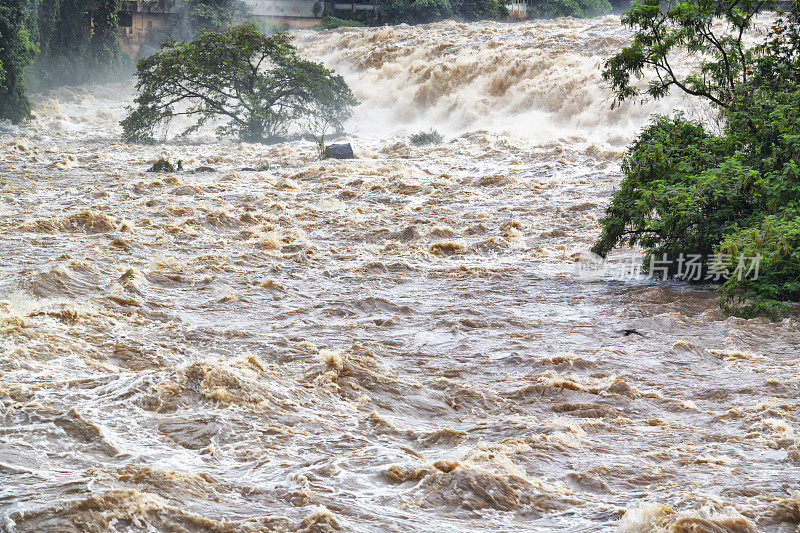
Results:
[394, 343]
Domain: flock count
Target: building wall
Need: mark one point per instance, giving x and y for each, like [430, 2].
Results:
[150, 18]
[283, 8]
[146, 27]
[287, 13]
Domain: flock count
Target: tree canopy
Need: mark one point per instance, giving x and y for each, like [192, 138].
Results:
[721, 197]
[256, 84]
[663, 29]
[16, 52]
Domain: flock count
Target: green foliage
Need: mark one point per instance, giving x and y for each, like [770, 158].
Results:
[44, 43]
[662, 203]
[418, 11]
[320, 146]
[104, 44]
[16, 51]
[330, 23]
[257, 84]
[731, 195]
[688, 26]
[480, 9]
[570, 8]
[426, 137]
[776, 239]
[162, 165]
[364, 16]
[64, 44]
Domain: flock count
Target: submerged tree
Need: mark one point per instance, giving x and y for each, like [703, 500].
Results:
[257, 84]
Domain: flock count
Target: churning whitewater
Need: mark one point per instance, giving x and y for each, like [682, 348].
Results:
[393, 343]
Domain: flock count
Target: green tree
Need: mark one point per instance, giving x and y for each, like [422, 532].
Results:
[16, 52]
[104, 43]
[721, 197]
[687, 26]
[77, 42]
[57, 38]
[256, 83]
[331, 23]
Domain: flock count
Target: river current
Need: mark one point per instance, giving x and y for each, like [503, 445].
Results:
[397, 342]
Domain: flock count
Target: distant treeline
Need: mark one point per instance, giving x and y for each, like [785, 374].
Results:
[426, 11]
[422, 11]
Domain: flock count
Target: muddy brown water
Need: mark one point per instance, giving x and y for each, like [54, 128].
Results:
[394, 343]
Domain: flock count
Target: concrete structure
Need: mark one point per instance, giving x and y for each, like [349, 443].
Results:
[349, 9]
[304, 13]
[287, 13]
[519, 9]
[145, 23]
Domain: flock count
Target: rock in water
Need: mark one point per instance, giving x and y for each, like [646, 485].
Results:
[339, 151]
[205, 169]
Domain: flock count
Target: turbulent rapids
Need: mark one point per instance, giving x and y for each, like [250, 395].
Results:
[393, 343]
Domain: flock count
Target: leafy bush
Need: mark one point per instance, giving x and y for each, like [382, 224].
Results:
[161, 165]
[426, 137]
[727, 196]
[330, 23]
